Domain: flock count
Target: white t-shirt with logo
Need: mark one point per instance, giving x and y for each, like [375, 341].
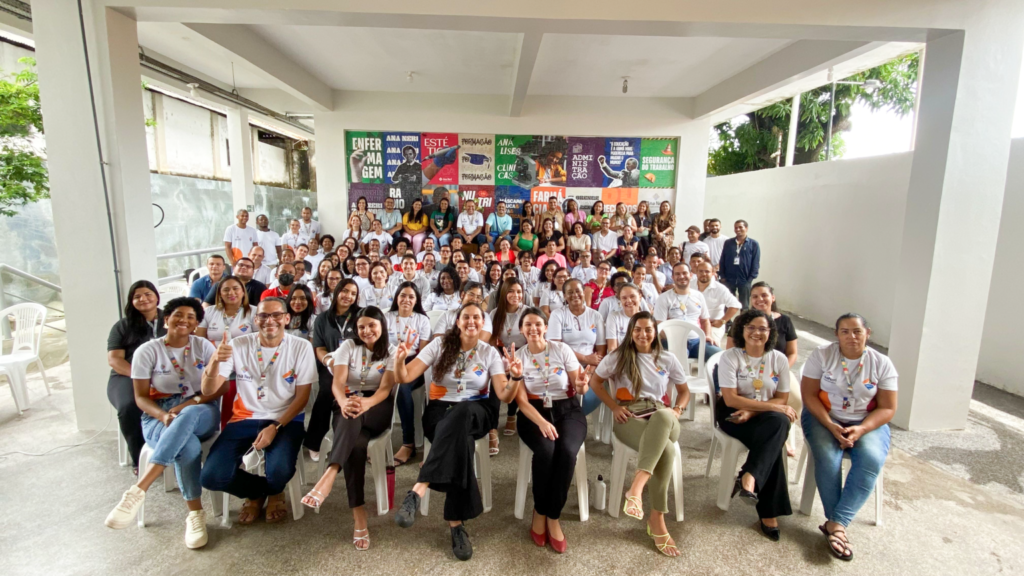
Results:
[357, 357]
[718, 299]
[383, 238]
[242, 238]
[480, 364]
[553, 299]
[264, 274]
[448, 320]
[470, 222]
[581, 333]
[373, 296]
[691, 248]
[294, 366]
[609, 305]
[509, 333]
[269, 241]
[399, 329]
[293, 240]
[309, 230]
[152, 361]
[616, 326]
[690, 307]
[553, 365]
[657, 376]
[738, 371]
[584, 274]
[435, 301]
[877, 373]
[216, 323]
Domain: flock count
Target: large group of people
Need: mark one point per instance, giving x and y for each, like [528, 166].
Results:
[555, 312]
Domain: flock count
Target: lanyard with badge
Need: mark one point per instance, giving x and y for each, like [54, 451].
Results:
[684, 304]
[848, 399]
[182, 387]
[460, 369]
[260, 394]
[152, 326]
[364, 369]
[547, 373]
[757, 383]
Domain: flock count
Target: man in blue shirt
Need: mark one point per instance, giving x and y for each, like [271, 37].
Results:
[740, 263]
[205, 285]
[499, 225]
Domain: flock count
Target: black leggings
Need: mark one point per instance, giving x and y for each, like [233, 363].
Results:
[121, 393]
[453, 428]
[554, 461]
[320, 415]
[764, 435]
[351, 437]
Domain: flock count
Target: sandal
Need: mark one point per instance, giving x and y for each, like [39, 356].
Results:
[634, 503]
[412, 454]
[357, 539]
[494, 443]
[510, 426]
[276, 510]
[252, 508]
[317, 500]
[664, 546]
[833, 538]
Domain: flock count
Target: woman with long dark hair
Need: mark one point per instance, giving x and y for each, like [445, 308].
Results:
[300, 306]
[378, 294]
[407, 318]
[547, 276]
[663, 226]
[441, 222]
[414, 225]
[322, 291]
[599, 289]
[492, 277]
[505, 320]
[230, 313]
[446, 294]
[552, 299]
[143, 320]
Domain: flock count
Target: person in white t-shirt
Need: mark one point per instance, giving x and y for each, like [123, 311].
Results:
[377, 293]
[261, 271]
[308, 227]
[239, 238]
[606, 242]
[428, 248]
[406, 316]
[376, 233]
[616, 325]
[584, 271]
[715, 241]
[693, 245]
[294, 237]
[582, 329]
[472, 293]
[647, 288]
[753, 408]
[445, 295]
[849, 394]
[269, 240]
[177, 417]
[460, 411]
[722, 305]
[641, 375]
[471, 225]
[231, 313]
[315, 255]
[274, 372]
[684, 303]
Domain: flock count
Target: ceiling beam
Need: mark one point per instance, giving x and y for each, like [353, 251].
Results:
[243, 44]
[526, 58]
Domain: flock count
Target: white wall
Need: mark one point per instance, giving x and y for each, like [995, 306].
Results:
[829, 233]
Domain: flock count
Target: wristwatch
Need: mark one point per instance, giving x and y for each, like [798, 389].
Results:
[516, 378]
[279, 424]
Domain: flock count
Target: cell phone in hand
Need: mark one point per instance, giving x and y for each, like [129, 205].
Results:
[645, 412]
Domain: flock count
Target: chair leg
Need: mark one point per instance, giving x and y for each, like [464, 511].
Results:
[122, 449]
[378, 455]
[18, 391]
[711, 455]
[300, 469]
[582, 489]
[800, 464]
[217, 504]
[225, 513]
[522, 479]
[42, 372]
[483, 462]
[810, 487]
[295, 497]
[143, 463]
[417, 410]
[730, 458]
[170, 480]
[677, 482]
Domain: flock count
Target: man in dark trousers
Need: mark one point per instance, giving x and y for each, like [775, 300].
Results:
[740, 263]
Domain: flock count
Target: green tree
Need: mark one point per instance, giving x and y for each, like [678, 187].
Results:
[760, 142]
[23, 175]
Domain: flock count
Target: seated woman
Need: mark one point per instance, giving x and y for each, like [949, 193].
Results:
[446, 294]
[503, 252]
[406, 318]
[849, 393]
[472, 293]
[552, 299]
[547, 276]
[231, 314]
[505, 320]
[300, 307]
[617, 325]
[551, 422]
[640, 373]
[378, 294]
[599, 289]
[167, 375]
[755, 383]
[364, 377]
[578, 243]
[526, 240]
[492, 277]
[582, 329]
[459, 413]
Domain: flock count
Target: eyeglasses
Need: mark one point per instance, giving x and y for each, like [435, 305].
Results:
[757, 329]
[263, 317]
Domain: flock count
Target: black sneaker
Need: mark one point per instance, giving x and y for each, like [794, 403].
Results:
[461, 546]
[406, 514]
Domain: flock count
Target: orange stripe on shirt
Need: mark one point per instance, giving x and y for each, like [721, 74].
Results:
[437, 392]
[238, 410]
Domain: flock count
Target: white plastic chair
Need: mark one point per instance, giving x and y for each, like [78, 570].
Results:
[811, 486]
[620, 456]
[29, 320]
[197, 274]
[122, 449]
[483, 466]
[293, 488]
[524, 477]
[435, 316]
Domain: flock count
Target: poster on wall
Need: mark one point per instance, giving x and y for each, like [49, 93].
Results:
[402, 161]
[612, 196]
[621, 163]
[476, 159]
[481, 194]
[440, 153]
[514, 197]
[374, 194]
[658, 162]
[581, 165]
[586, 198]
[654, 198]
[366, 157]
[529, 161]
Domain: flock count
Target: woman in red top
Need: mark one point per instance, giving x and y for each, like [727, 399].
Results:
[599, 288]
[504, 253]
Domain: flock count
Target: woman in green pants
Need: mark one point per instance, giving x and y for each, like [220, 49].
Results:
[640, 373]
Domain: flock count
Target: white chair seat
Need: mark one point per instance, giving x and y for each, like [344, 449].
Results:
[524, 477]
[620, 457]
[483, 471]
[29, 321]
[811, 486]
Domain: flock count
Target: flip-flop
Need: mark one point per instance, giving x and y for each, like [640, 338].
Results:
[832, 537]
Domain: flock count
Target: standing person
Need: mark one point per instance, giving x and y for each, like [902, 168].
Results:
[754, 379]
[693, 245]
[715, 241]
[308, 227]
[274, 373]
[446, 295]
[244, 269]
[526, 241]
[606, 242]
[231, 312]
[583, 270]
[581, 328]
[642, 223]
[553, 299]
[498, 226]
[684, 303]
[465, 369]
[595, 217]
[640, 373]
[663, 228]
[268, 240]
[707, 229]
[177, 416]
[294, 237]
[849, 393]
[316, 255]
[722, 306]
[553, 213]
[414, 224]
[442, 219]
[740, 263]
[355, 232]
[285, 281]
[300, 304]
[204, 285]
[573, 214]
[406, 319]
[364, 379]
[598, 289]
[471, 225]
[261, 272]
[239, 238]
[365, 216]
[143, 321]
[390, 219]
[551, 422]
[505, 320]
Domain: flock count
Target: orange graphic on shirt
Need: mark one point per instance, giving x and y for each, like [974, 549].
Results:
[437, 392]
[239, 411]
[623, 395]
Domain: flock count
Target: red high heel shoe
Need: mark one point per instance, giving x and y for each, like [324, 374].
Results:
[539, 539]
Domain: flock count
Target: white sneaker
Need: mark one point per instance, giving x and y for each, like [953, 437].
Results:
[195, 529]
[314, 456]
[124, 513]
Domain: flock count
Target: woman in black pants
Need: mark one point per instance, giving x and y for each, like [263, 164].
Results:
[551, 422]
[364, 377]
[754, 378]
[330, 329]
[142, 322]
[458, 414]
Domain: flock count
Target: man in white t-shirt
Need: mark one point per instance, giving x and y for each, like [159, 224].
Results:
[654, 276]
[471, 225]
[693, 245]
[294, 237]
[584, 271]
[260, 273]
[239, 238]
[722, 305]
[715, 241]
[428, 248]
[376, 233]
[315, 256]
[308, 227]
[606, 242]
[683, 303]
[274, 372]
[269, 240]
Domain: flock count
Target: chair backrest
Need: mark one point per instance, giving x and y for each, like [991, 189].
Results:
[435, 317]
[197, 274]
[711, 364]
[677, 332]
[29, 319]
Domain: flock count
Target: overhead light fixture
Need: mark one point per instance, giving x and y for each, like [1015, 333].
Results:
[625, 84]
[408, 77]
[871, 85]
[192, 87]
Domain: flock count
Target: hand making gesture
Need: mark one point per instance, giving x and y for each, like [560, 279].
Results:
[583, 380]
[404, 348]
[224, 349]
[515, 364]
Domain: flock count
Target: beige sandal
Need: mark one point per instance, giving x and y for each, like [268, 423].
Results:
[357, 539]
[274, 506]
[252, 507]
[662, 547]
[634, 503]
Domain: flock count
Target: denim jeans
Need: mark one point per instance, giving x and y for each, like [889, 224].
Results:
[179, 443]
[406, 410]
[442, 240]
[222, 472]
[842, 502]
[693, 347]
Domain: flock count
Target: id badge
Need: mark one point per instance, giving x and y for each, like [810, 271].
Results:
[461, 387]
[736, 260]
[547, 401]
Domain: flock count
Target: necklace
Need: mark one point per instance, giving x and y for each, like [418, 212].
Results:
[758, 383]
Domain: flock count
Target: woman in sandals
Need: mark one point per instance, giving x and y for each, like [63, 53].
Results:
[640, 373]
[849, 394]
[364, 378]
[551, 422]
[459, 413]
[407, 317]
[505, 321]
[753, 408]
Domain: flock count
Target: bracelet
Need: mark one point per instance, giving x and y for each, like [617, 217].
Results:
[516, 379]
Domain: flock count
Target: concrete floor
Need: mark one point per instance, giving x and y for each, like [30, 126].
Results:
[954, 503]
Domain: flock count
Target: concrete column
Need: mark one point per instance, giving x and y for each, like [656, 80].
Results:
[332, 176]
[956, 188]
[243, 191]
[691, 176]
[794, 123]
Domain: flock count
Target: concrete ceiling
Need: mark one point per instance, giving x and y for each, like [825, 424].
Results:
[180, 43]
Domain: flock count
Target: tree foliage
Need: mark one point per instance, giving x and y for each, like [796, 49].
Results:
[760, 141]
[23, 174]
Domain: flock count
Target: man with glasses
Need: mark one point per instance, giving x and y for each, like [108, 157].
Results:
[683, 303]
[254, 289]
[274, 373]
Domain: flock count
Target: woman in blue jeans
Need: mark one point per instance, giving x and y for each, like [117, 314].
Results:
[177, 417]
[849, 394]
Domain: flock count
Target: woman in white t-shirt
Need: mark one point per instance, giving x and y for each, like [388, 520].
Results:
[460, 411]
[640, 374]
[505, 322]
[617, 325]
[543, 286]
[849, 394]
[551, 422]
[323, 291]
[445, 295]
[753, 408]
[364, 378]
[407, 318]
[300, 307]
[553, 299]
[377, 294]
[582, 329]
[177, 417]
[230, 313]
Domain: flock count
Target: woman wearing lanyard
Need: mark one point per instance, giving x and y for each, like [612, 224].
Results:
[300, 307]
[459, 413]
[640, 373]
[230, 313]
[167, 375]
[329, 330]
[407, 318]
[547, 276]
[505, 320]
[849, 393]
[492, 277]
[553, 299]
[598, 289]
[143, 320]
[582, 329]
[617, 325]
[754, 378]
[446, 294]
[378, 295]
[363, 380]
[324, 291]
